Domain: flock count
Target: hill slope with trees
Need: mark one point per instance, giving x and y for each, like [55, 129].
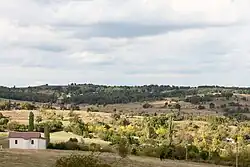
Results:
[102, 94]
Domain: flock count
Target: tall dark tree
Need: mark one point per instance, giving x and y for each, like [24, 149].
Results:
[170, 129]
[47, 134]
[31, 121]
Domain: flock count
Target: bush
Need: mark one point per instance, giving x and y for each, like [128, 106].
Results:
[27, 106]
[80, 161]
[4, 121]
[123, 147]
[13, 126]
[179, 153]
[39, 119]
[73, 140]
[2, 128]
[200, 107]
[72, 146]
[193, 152]
[116, 116]
[1, 115]
[64, 146]
[147, 105]
[54, 126]
[204, 155]
[95, 147]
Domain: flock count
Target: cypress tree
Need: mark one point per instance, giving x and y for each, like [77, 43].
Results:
[31, 121]
[47, 134]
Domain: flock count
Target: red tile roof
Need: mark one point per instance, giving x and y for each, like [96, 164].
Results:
[25, 135]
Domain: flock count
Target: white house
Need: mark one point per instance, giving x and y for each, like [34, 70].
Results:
[26, 140]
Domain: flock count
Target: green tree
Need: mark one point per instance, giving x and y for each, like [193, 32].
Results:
[178, 106]
[211, 105]
[31, 121]
[170, 130]
[47, 134]
[39, 119]
[123, 147]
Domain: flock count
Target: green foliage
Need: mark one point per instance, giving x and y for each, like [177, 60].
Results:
[211, 105]
[27, 106]
[15, 126]
[116, 116]
[74, 107]
[80, 161]
[147, 105]
[102, 94]
[77, 127]
[39, 119]
[54, 126]
[6, 105]
[47, 134]
[3, 120]
[31, 122]
[123, 147]
[178, 106]
[201, 107]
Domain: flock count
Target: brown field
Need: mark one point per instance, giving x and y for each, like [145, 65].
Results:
[22, 116]
[47, 158]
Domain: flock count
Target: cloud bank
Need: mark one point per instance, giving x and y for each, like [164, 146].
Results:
[128, 42]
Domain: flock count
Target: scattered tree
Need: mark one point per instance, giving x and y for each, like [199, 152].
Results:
[31, 121]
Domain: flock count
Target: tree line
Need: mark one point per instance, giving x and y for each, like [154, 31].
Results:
[101, 94]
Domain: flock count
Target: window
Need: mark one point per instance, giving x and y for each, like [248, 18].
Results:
[15, 141]
[32, 141]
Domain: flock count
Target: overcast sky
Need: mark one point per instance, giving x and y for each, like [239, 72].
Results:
[125, 42]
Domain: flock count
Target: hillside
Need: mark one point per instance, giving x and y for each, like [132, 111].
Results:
[48, 158]
[102, 94]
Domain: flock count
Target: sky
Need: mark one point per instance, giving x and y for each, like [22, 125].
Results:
[125, 42]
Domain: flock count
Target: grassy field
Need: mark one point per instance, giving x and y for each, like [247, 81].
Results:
[56, 138]
[64, 136]
[47, 158]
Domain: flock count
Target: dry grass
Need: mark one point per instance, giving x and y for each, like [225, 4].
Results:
[22, 116]
[64, 136]
[47, 158]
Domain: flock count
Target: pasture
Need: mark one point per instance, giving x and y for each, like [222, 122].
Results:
[47, 158]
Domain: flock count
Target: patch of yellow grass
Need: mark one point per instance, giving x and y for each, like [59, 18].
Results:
[64, 136]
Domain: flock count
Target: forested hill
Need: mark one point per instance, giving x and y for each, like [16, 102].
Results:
[101, 94]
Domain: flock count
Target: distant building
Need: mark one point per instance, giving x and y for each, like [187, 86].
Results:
[26, 140]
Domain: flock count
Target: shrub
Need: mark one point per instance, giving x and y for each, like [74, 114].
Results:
[54, 126]
[200, 107]
[80, 161]
[13, 126]
[211, 105]
[1, 115]
[4, 121]
[72, 146]
[39, 119]
[2, 128]
[123, 147]
[204, 155]
[179, 153]
[73, 140]
[116, 116]
[147, 105]
[95, 147]
[27, 106]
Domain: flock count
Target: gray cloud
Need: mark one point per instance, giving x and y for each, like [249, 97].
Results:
[63, 41]
[129, 29]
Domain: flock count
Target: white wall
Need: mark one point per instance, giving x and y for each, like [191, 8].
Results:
[26, 144]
